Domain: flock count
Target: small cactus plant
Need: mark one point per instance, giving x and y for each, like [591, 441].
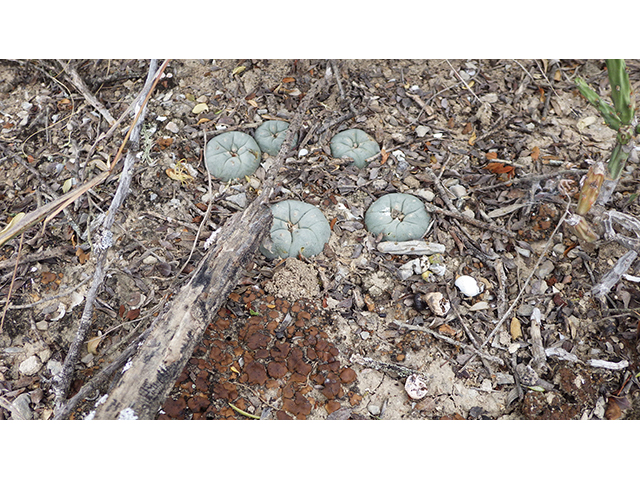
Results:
[356, 145]
[298, 228]
[398, 217]
[232, 155]
[270, 136]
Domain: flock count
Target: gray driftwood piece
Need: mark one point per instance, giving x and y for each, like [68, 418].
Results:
[148, 377]
[152, 372]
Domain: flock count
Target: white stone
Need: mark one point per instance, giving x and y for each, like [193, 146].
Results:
[20, 408]
[54, 367]
[469, 286]
[459, 191]
[30, 366]
[421, 130]
[172, 127]
[416, 387]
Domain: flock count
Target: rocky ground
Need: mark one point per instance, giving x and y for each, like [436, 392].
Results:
[483, 143]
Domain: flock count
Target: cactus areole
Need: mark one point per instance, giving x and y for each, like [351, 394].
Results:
[298, 228]
[232, 155]
[270, 136]
[398, 217]
[355, 144]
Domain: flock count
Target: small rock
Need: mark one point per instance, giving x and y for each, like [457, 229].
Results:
[428, 195]
[489, 98]
[469, 286]
[54, 367]
[21, 409]
[240, 199]
[42, 325]
[87, 359]
[545, 269]
[365, 335]
[44, 355]
[30, 366]
[458, 190]
[421, 131]
[399, 137]
[374, 409]
[172, 127]
[411, 182]
[416, 387]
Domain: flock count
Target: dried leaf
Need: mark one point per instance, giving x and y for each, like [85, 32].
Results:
[133, 314]
[48, 277]
[253, 103]
[535, 153]
[238, 70]
[82, 256]
[473, 137]
[165, 142]
[516, 329]
[66, 186]
[446, 330]
[14, 221]
[92, 344]
[501, 168]
[491, 155]
[288, 80]
[384, 155]
[467, 128]
[199, 108]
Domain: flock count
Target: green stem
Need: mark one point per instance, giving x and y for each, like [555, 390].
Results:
[606, 110]
[621, 94]
[242, 412]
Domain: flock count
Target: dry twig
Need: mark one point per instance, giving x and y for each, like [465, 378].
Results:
[62, 381]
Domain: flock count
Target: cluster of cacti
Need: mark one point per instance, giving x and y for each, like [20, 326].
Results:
[600, 181]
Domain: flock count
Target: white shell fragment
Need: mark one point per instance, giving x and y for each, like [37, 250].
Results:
[416, 387]
[439, 305]
[469, 286]
[411, 247]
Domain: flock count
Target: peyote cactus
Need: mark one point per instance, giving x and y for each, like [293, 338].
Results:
[270, 136]
[398, 216]
[232, 155]
[354, 144]
[298, 228]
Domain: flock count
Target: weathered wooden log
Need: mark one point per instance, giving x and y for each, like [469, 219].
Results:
[152, 372]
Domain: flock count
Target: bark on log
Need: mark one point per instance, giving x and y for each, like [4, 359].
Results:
[142, 388]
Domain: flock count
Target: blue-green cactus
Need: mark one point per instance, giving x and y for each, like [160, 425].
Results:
[232, 155]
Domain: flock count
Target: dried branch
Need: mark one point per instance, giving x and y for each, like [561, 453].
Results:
[82, 87]
[62, 381]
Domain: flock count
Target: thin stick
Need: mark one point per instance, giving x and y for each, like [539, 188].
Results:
[62, 381]
[526, 283]
[472, 221]
[531, 179]
[82, 87]
[444, 338]
[462, 80]
[13, 279]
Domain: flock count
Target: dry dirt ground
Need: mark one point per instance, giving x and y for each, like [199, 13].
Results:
[336, 335]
